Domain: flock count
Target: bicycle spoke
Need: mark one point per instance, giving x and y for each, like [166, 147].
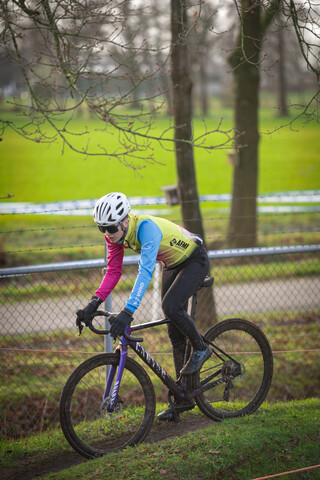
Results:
[240, 384]
[89, 424]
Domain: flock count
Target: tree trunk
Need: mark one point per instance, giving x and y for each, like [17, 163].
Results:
[282, 86]
[245, 62]
[182, 108]
[242, 231]
[203, 84]
[182, 111]
[130, 56]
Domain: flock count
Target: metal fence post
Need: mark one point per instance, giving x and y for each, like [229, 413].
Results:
[156, 292]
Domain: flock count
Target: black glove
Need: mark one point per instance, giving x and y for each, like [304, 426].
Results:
[120, 322]
[84, 314]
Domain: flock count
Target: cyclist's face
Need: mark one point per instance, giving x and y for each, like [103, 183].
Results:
[116, 236]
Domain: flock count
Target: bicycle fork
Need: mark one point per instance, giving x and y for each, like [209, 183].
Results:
[111, 381]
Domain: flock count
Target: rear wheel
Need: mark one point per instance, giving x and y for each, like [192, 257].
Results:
[87, 423]
[237, 384]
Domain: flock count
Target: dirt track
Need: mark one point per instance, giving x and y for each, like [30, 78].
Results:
[29, 469]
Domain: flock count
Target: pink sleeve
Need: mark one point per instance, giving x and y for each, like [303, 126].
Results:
[114, 270]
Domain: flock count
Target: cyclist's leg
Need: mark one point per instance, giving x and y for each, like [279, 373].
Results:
[185, 280]
[179, 345]
[178, 285]
[177, 338]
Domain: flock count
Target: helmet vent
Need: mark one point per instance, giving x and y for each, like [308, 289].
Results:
[111, 209]
[102, 210]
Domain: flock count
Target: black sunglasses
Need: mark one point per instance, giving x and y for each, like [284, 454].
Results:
[109, 228]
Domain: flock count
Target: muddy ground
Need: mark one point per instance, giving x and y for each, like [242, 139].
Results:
[29, 468]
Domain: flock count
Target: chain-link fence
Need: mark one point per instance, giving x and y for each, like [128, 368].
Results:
[278, 289]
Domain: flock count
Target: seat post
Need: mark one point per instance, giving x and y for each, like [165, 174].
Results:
[193, 305]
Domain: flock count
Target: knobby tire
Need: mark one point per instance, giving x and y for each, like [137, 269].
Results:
[247, 345]
[91, 430]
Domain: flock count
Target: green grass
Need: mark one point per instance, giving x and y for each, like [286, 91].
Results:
[289, 160]
[34, 172]
[278, 438]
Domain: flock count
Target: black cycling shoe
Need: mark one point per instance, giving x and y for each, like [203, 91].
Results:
[196, 361]
[172, 413]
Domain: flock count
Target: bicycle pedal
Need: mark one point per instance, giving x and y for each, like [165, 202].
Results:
[169, 415]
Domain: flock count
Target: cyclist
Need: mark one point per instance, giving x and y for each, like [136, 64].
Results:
[185, 265]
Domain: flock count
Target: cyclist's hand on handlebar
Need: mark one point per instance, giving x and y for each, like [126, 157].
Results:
[120, 322]
[83, 315]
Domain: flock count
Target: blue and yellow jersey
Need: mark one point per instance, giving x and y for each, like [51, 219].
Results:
[155, 239]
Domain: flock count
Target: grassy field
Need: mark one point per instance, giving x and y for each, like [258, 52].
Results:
[33, 172]
[279, 438]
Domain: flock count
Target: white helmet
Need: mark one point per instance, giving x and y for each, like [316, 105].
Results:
[111, 209]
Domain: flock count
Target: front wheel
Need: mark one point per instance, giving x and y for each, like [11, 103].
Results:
[237, 377]
[87, 422]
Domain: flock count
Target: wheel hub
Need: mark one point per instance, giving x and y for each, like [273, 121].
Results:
[109, 414]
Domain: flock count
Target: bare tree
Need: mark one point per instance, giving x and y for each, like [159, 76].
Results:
[89, 55]
[282, 83]
[182, 108]
[75, 64]
[305, 17]
[255, 17]
[203, 39]
[161, 18]
[245, 61]
[283, 68]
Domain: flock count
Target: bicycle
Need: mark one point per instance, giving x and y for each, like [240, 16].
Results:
[109, 401]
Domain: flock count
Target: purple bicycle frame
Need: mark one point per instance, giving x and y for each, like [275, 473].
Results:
[173, 387]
